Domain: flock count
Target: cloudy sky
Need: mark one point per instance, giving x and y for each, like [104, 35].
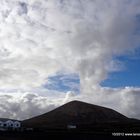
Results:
[55, 51]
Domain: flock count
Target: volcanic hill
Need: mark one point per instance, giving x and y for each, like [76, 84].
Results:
[76, 113]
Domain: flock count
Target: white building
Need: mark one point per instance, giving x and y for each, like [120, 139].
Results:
[9, 124]
[71, 126]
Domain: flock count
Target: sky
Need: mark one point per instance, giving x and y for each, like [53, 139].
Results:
[55, 51]
[129, 76]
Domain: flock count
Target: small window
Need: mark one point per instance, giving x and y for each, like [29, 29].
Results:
[5, 125]
[17, 124]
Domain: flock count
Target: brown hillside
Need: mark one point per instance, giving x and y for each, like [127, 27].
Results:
[75, 112]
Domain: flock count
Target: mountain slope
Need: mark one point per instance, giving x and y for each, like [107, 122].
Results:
[77, 113]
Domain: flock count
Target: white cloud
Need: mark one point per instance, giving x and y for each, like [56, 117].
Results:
[23, 105]
[124, 100]
[40, 38]
[27, 105]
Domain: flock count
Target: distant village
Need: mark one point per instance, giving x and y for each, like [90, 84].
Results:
[6, 125]
[14, 125]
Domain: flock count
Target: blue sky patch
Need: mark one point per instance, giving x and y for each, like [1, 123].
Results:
[130, 76]
[63, 82]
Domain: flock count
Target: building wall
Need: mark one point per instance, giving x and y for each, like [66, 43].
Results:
[10, 124]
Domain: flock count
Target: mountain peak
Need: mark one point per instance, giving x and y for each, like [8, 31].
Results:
[76, 112]
[75, 102]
